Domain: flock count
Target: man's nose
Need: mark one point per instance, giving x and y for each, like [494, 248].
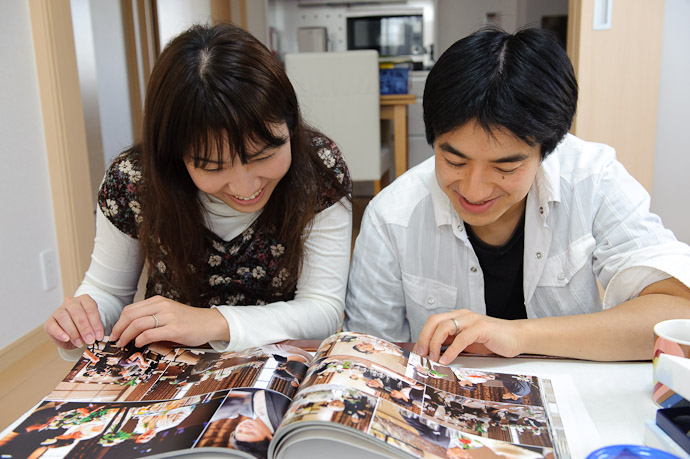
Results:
[475, 186]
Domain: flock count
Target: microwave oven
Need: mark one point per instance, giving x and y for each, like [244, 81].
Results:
[394, 36]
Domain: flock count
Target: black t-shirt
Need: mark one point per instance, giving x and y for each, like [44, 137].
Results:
[503, 270]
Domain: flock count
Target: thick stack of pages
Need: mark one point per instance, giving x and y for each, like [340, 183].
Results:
[358, 396]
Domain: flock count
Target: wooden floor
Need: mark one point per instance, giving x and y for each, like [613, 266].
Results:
[28, 376]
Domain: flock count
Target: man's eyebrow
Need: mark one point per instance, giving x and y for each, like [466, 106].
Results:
[515, 158]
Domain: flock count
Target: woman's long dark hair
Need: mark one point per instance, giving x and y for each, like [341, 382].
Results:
[216, 88]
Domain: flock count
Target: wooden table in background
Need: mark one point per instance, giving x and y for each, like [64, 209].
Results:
[394, 107]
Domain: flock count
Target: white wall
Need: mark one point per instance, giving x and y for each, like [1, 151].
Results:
[459, 18]
[531, 11]
[175, 16]
[26, 209]
[671, 187]
[113, 90]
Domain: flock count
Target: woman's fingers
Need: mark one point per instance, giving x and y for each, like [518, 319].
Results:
[162, 319]
[132, 313]
[142, 331]
[76, 321]
[58, 335]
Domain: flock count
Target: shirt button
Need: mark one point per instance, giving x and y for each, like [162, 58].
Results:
[430, 300]
[473, 269]
[541, 210]
[538, 254]
[461, 228]
[561, 276]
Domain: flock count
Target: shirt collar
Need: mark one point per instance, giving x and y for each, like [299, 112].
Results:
[444, 212]
[547, 183]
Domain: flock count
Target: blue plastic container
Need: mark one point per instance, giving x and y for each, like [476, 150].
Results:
[394, 81]
[630, 452]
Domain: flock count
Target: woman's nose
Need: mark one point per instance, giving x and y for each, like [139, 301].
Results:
[243, 181]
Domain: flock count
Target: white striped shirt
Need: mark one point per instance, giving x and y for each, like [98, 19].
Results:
[586, 219]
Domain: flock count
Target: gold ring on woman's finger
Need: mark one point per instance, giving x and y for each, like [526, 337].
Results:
[457, 326]
[156, 319]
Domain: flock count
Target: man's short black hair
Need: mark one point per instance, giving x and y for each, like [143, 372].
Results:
[523, 82]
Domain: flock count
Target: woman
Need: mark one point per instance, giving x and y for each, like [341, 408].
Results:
[229, 199]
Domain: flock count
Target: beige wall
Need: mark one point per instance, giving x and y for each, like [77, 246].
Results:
[618, 74]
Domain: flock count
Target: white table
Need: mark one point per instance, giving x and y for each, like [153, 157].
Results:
[617, 396]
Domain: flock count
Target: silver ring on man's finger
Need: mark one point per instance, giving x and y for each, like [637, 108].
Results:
[457, 326]
[156, 319]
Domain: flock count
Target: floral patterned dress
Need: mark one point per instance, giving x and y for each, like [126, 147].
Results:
[242, 271]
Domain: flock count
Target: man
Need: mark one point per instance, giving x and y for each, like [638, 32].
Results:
[497, 243]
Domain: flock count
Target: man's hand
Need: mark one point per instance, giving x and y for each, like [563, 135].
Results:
[475, 333]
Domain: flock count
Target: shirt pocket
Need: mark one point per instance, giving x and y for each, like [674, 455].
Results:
[428, 293]
[560, 269]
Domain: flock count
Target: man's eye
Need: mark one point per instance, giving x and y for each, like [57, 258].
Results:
[507, 171]
[453, 164]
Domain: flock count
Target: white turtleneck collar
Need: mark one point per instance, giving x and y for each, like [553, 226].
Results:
[226, 222]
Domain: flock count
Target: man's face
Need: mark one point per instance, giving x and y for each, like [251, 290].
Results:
[487, 177]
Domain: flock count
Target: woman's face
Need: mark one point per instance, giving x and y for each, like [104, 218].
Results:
[252, 430]
[245, 187]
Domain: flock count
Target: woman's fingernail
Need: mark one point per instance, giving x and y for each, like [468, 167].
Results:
[444, 360]
[89, 338]
[78, 342]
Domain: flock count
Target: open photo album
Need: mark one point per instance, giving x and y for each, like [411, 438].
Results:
[358, 397]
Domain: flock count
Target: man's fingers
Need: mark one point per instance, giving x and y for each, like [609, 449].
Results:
[445, 329]
[458, 345]
[428, 331]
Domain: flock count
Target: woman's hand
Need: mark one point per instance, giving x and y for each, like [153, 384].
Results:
[474, 333]
[74, 323]
[162, 319]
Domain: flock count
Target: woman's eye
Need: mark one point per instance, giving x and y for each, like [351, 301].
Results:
[210, 169]
[261, 157]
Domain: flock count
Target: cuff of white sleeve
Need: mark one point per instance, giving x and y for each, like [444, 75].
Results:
[236, 332]
[627, 284]
[72, 355]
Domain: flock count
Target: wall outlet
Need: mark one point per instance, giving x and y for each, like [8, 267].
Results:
[49, 269]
